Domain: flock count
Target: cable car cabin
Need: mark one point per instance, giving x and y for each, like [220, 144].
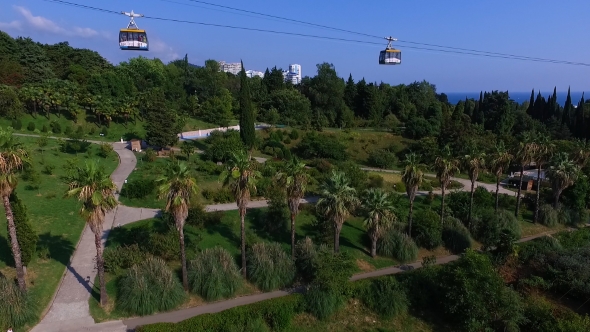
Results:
[133, 40]
[390, 56]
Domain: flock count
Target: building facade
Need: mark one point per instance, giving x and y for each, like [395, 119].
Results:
[293, 75]
[252, 73]
[233, 68]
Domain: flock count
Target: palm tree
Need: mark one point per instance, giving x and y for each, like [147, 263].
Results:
[177, 186]
[379, 212]
[523, 155]
[543, 151]
[446, 167]
[581, 152]
[474, 162]
[562, 173]
[338, 199]
[412, 176]
[12, 159]
[499, 162]
[294, 179]
[95, 189]
[241, 176]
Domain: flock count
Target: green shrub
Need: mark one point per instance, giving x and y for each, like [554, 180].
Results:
[322, 302]
[376, 181]
[104, 132]
[382, 159]
[166, 246]
[68, 131]
[398, 246]
[150, 287]
[314, 145]
[427, 230]
[538, 246]
[548, 216]
[48, 169]
[16, 307]
[31, 126]
[294, 134]
[123, 257]
[55, 127]
[221, 195]
[17, 124]
[456, 236]
[576, 239]
[305, 253]
[150, 155]
[400, 187]
[492, 228]
[269, 267]
[106, 149]
[386, 297]
[425, 186]
[287, 140]
[80, 131]
[44, 129]
[137, 189]
[214, 274]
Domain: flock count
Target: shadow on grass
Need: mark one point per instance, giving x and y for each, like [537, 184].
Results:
[59, 248]
[271, 225]
[6, 252]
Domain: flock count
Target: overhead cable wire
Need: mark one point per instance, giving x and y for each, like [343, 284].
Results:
[467, 52]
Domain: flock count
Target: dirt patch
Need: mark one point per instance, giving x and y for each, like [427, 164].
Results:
[364, 266]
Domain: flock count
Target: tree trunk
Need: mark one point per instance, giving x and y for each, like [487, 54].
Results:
[518, 195]
[20, 274]
[536, 218]
[243, 236]
[100, 269]
[410, 217]
[293, 235]
[442, 205]
[497, 191]
[183, 259]
[557, 194]
[471, 203]
[337, 229]
[374, 246]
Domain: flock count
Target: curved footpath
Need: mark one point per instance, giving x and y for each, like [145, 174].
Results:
[69, 309]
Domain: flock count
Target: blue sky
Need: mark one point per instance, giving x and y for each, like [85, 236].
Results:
[537, 28]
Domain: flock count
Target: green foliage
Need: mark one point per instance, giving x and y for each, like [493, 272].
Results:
[247, 130]
[456, 236]
[221, 145]
[276, 313]
[427, 230]
[150, 155]
[68, 131]
[382, 159]
[385, 296]
[269, 267]
[322, 302]
[123, 257]
[25, 234]
[16, 307]
[31, 126]
[398, 245]
[138, 189]
[44, 129]
[220, 196]
[149, 287]
[376, 181]
[106, 149]
[294, 134]
[17, 124]
[577, 239]
[305, 254]
[548, 216]
[314, 145]
[566, 271]
[55, 127]
[214, 274]
[496, 228]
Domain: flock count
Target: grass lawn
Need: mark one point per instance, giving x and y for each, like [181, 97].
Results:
[54, 218]
[92, 130]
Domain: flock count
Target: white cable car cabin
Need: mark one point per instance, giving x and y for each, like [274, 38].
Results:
[390, 56]
[132, 38]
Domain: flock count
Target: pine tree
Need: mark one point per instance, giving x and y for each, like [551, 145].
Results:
[247, 130]
[27, 238]
[350, 92]
[161, 123]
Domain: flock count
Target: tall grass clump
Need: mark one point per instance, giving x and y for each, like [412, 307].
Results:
[385, 296]
[548, 216]
[214, 274]
[150, 287]
[399, 246]
[269, 266]
[16, 308]
[456, 236]
[305, 253]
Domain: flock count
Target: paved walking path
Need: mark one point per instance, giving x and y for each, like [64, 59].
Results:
[69, 310]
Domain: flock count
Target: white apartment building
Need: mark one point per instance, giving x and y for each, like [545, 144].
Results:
[233, 68]
[293, 75]
[252, 73]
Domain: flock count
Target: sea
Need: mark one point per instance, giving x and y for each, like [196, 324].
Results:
[519, 97]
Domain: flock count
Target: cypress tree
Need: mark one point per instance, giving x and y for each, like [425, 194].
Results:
[554, 104]
[350, 93]
[580, 131]
[566, 117]
[27, 238]
[247, 130]
[530, 110]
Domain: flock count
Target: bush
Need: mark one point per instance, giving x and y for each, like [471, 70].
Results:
[104, 132]
[269, 267]
[305, 253]
[427, 230]
[31, 126]
[382, 159]
[287, 140]
[68, 131]
[16, 308]
[55, 127]
[25, 234]
[492, 228]
[376, 181]
[548, 216]
[44, 129]
[400, 187]
[322, 302]
[106, 149]
[314, 145]
[137, 189]
[398, 246]
[456, 236]
[80, 131]
[214, 274]
[576, 239]
[221, 195]
[149, 287]
[166, 246]
[294, 134]
[538, 246]
[386, 297]
[17, 124]
[48, 169]
[123, 257]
